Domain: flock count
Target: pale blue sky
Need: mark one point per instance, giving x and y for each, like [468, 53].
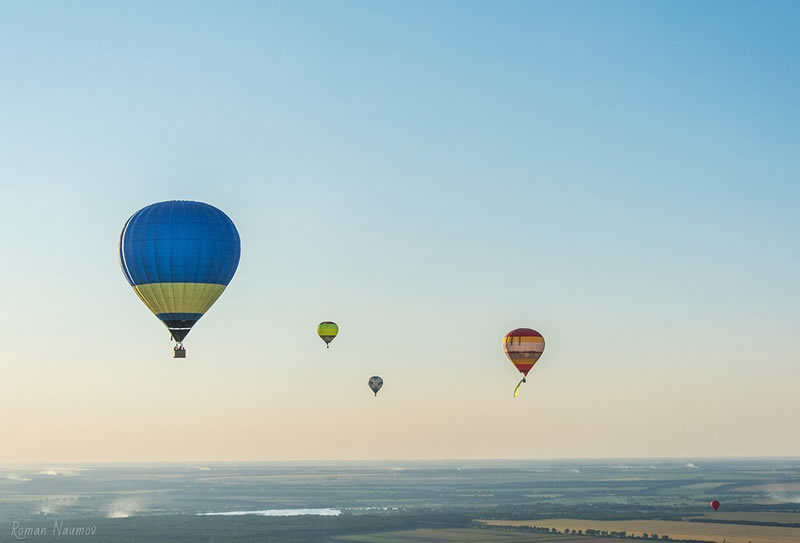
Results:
[621, 176]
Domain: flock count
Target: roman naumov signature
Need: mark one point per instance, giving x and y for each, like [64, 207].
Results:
[18, 531]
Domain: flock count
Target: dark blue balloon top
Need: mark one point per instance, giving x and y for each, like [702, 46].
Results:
[179, 242]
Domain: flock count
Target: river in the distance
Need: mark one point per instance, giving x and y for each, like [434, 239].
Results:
[325, 512]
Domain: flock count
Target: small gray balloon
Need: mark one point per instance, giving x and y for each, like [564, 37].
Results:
[375, 383]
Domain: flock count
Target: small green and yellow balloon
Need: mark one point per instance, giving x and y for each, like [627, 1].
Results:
[327, 331]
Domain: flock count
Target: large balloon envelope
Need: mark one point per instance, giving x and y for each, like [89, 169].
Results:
[714, 505]
[523, 346]
[179, 256]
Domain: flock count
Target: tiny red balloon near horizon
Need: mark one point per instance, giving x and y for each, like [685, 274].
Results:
[714, 505]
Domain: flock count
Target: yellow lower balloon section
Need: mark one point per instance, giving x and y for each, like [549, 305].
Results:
[179, 297]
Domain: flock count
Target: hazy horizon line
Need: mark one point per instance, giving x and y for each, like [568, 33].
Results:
[201, 463]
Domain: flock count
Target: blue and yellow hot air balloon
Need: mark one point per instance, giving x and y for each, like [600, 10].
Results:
[179, 256]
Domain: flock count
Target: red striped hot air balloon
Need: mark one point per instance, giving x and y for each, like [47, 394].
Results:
[714, 505]
[523, 346]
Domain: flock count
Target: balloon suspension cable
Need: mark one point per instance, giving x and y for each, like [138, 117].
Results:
[516, 389]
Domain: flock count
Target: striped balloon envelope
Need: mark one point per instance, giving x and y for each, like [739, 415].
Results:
[523, 346]
[179, 256]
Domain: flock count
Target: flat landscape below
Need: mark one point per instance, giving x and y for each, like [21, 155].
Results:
[406, 502]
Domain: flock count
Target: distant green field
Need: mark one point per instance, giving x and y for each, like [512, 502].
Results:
[772, 488]
[754, 516]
